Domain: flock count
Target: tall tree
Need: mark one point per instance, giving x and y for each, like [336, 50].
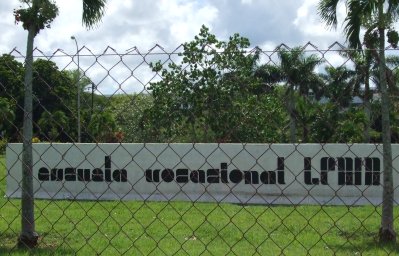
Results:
[377, 16]
[7, 116]
[297, 71]
[205, 93]
[38, 15]
[11, 88]
[341, 85]
[365, 71]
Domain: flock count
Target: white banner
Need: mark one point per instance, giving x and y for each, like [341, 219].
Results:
[333, 174]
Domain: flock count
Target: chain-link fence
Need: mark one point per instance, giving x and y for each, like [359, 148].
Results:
[210, 149]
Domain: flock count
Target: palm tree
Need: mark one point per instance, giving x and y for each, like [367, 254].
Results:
[365, 71]
[297, 72]
[376, 17]
[341, 85]
[39, 15]
[53, 124]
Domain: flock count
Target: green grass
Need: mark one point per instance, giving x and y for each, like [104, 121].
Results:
[183, 228]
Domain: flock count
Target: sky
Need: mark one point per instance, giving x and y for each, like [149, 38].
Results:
[169, 23]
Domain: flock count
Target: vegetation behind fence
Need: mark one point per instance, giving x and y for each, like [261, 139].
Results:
[205, 91]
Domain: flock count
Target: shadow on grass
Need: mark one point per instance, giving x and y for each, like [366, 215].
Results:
[364, 242]
[37, 251]
[9, 247]
[375, 248]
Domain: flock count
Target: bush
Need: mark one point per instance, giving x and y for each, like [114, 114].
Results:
[3, 145]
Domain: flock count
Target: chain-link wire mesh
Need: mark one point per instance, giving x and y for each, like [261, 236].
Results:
[210, 149]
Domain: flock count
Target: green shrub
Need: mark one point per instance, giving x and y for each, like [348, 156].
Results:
[3, 145]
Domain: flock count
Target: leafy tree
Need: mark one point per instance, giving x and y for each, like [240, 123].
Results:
[11, 77]
[262, 120]
[51, 89]
[51, 93]
[350, 126]
[341, 85]
[7, 116]
[128, 111]
[305, 114]
[53, 125]
[102, 127]
[11, 90]
[377, 16]
[206, 91]
[322, 131]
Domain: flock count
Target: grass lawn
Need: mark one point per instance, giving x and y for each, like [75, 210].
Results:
[183, 228]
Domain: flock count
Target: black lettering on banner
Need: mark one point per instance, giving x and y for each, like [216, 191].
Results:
[57, 174]
[97, 175]
[168, 175]
[358, 171]
[350, 170]
[251, 177]
[345, 171]
[280, 170]
[349, 173]
[152, 175]
[215, 176]
[236, 176]
[268, 177]
[120, 175]
[197, 176]
[84, 175]
[373, 168]
[107, 163]
[70, 174]
[212, 175]
[327, 164]
[182, 175]
[44, 174]
[223, 173]
[307, 167]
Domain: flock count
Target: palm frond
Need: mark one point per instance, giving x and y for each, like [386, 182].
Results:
[93, 11]
[353, 22]
[392, 61]
[393, 10]
[327, 10]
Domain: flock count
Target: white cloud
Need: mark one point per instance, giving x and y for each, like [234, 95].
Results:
[185, 19]
[309, 23]
[246, 1]
[172, 22]
[168, 23]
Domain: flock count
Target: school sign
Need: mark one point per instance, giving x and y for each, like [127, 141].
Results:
[333, 174]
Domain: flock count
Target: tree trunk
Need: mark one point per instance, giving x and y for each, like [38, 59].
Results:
[291, 112]
[367, 106]
[305, 136]
[28, 237]
[387, 232]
